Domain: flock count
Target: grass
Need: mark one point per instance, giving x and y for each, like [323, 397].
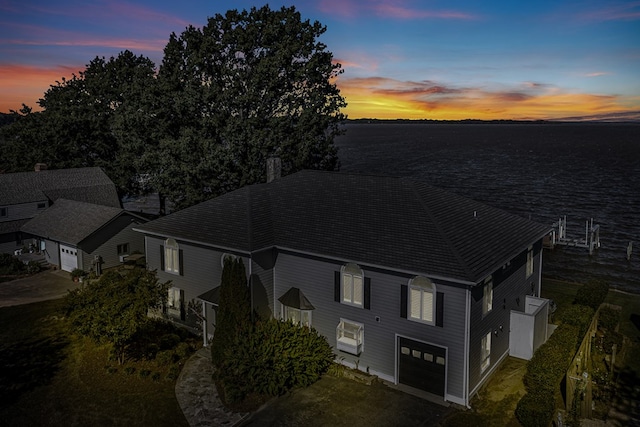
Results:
[52, 377]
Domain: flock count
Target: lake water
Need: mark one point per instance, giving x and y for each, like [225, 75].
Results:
[540, 171]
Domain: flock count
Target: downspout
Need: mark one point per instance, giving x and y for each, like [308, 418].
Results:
[539, 294]
[205, 337]
[467, 334]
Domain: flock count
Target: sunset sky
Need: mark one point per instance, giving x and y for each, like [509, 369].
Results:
[438, 59]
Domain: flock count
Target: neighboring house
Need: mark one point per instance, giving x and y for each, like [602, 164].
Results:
[24, 195]
[406, 281]
[91, 237]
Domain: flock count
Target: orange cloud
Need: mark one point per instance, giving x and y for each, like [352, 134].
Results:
[21, 84]
[390, 99]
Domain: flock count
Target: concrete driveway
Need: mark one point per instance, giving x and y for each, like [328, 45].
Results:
[49, 284]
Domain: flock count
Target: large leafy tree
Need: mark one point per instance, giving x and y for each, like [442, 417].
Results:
[96, 118]
[247, 86]
[113, 308]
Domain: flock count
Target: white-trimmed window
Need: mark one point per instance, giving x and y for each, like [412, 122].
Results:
[171, 256]
[487, 296]
[174, 302]
[529, 261]
[352, 285]
[422, 299]
[300, 317]
[350, 337]
[485, 353]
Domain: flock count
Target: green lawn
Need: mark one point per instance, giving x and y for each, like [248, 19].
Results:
[51, 378]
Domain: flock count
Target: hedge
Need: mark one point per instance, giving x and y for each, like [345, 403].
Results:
[592, 294]
[272, 358]
[535, 409]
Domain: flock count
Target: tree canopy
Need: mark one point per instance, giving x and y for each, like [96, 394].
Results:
[247, 86]
[86, 121]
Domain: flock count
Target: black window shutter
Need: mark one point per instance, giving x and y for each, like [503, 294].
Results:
[439, 309]
[367, 293]
[183, 311]
[336, 286]
[180, 263]
[162, 257]
[403, 301]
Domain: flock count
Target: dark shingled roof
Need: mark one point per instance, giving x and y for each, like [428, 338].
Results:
[378, 221]
[71, 222]
[296, 299]
[89, 185]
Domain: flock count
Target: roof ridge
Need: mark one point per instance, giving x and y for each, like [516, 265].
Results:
[437, 226]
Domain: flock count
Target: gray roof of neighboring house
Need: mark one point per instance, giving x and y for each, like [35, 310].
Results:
[389, 222]
[12, 226]
[69, 221]
[89, 185]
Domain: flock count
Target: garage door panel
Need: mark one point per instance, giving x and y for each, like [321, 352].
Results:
[421, 365]
[68, 258]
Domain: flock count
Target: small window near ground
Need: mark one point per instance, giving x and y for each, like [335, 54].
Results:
[175, 303]
[485, 354]
[123, 249]
[350, 337]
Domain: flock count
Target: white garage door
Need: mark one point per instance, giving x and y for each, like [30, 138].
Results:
[68, 258]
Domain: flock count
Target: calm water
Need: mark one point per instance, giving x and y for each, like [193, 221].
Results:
[538, 171]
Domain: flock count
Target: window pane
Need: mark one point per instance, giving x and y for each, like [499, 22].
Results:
[416, 353]
[347, 287]
[427, 306]
[440, 360]
[404, 350]
[415, 303]
[357, 290]
[428, 357]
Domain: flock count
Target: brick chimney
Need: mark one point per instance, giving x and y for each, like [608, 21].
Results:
[274, 168]
[40, 167]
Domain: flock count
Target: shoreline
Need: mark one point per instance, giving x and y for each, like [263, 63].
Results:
[568, 282]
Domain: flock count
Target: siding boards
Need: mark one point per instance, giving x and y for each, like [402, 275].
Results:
[23, 210]
[108, 249]
[508, 294]
[202, 268]
[316, 280]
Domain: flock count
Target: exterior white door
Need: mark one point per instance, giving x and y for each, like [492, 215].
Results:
[68, 258]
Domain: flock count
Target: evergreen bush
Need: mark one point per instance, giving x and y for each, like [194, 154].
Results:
[273, 358]
[579, 316]
[535, 409]
[592, 294]
[608, 318]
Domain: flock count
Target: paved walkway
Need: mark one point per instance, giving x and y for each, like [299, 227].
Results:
[198, 397]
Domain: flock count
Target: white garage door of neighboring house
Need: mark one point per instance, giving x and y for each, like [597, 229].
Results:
[68, 258]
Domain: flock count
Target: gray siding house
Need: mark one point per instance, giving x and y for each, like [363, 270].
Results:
[91, 237]
[408, 282]
[24, 195]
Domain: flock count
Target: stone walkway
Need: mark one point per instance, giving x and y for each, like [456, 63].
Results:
[198, 397]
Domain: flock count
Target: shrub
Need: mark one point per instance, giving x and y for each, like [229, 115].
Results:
[535, 409]
[155, 376]
[33, 267]
[183, 350]
[9, 264]
[174, 373]
[144, 373]
[165, 357]
[272, 358]
[610, 339]
[592, 294]
[129, 370]
[608, 318]
[77, 273]
[549, 363]
[169, 341]
[579, 316]
[151, 351]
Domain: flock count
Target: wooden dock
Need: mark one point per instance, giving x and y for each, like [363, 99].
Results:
[558, 236]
